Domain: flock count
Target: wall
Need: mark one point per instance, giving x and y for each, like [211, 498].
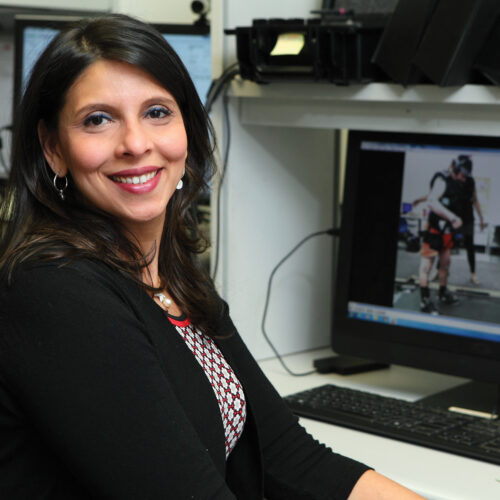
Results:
[158, 11]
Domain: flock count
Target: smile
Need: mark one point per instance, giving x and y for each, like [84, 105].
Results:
[136, 182]
[136, 179]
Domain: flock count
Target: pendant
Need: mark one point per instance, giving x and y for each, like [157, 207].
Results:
[167, 302]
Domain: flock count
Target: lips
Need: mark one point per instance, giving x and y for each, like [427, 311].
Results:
[137, 180]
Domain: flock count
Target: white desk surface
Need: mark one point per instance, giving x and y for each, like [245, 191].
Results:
[435, 475]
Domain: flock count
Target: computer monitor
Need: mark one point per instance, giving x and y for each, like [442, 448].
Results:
[394, 233]
[192, 44]
[33, 33]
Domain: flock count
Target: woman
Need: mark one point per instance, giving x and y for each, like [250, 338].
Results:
[113, 341]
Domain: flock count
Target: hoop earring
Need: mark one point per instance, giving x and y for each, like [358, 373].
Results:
[60, 190]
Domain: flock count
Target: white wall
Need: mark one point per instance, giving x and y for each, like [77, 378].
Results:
[279, 189]
[157, 11]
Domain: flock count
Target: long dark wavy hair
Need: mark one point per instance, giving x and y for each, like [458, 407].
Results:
[39, 225]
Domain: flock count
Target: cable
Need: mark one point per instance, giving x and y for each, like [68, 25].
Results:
[218, 85]
[331, 232]
[219, 187]
[3, 163]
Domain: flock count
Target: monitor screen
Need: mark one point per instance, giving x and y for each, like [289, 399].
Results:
[33, 34]
[192, 44]
[418, 279]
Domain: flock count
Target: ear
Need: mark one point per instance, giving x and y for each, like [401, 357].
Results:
[50, 147]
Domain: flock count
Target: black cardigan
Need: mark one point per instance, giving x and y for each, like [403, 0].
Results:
[100, 398]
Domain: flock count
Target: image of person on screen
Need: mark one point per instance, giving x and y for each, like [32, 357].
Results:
[444, 202]
[468, 204]
[122, 375]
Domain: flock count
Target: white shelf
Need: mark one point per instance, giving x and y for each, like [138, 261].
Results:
[470, 109]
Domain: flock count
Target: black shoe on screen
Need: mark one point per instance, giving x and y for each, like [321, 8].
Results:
[448, 298]
[427, 306]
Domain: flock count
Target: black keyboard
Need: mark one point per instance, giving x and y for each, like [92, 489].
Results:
[470, 436]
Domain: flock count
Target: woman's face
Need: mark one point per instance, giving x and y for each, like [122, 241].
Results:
[122, 138]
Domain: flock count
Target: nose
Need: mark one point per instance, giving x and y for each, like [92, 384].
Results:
[134, 140]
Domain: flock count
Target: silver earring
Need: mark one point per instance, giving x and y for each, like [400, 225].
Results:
[60, 189]
[180, 183]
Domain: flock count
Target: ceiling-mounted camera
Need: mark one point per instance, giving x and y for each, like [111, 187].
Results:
[202, 8]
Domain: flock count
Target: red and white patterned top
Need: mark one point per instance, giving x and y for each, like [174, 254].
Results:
[225, 384]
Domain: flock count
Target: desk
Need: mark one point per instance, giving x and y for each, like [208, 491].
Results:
[434, 474]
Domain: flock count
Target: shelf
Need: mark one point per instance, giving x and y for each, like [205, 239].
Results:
[470, 109]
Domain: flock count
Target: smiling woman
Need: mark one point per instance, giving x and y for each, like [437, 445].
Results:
[122, 376]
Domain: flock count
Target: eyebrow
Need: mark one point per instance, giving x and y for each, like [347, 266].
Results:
[102, 106]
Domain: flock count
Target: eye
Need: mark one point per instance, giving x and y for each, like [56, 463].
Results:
[158, 112]
[96, 119]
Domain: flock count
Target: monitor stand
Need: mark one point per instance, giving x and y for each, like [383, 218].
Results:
[473, 398]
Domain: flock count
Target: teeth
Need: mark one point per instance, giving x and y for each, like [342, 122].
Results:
[134, 179]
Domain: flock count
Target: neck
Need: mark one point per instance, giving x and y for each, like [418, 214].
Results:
[148, 237]
[150, 274]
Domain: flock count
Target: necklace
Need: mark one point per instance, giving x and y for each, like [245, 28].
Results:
[166, 301]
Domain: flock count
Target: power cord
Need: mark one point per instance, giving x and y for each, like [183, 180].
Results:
[219, 188]
[218, 86]
[331, 232]
[3, 163]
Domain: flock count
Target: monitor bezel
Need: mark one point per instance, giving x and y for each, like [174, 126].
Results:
[438, 352]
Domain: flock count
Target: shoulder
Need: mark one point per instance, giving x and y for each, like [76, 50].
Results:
[442, 175]
[59, 305]
[61, 282]
[439, 180]
[38, 275]
[38, 272]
